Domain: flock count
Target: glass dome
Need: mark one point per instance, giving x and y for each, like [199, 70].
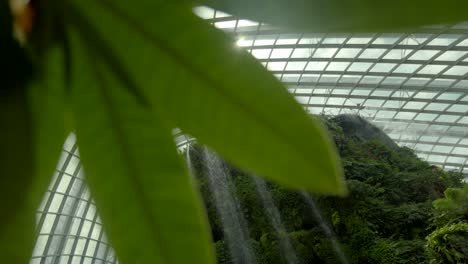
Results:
[412, 85]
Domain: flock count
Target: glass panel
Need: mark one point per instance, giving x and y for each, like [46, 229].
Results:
[324, 52]
[347, 53]
[285, 40]
[302, 53]
[385, 114]
[361, 92]
[383, 67]
[407, 68]
[460, 151]
[457, 70]
[449, 96]
[316, 66]
[372, 53]
[337, 66]
[359, 40]
[436, 106]
[423, 54]
[443, 40]
[417, 81]
[265, 40]
[414, 39]
[426, 117]
[311, 39]
[425, 95]
[261, 53]
[386, 39]
[373, 103]
[336, 101]
[415, 105]
[302, 99]
[290, 77]
[458, 108]
[360, 66]
[276, 66]
[464, 120]
[451, 55]
[371, 79]
[440, 83]
[280, 53]
[432, 69]
[405, 115]
[295, 66]
[333, 40]
[340, 91]
[381, 92]
[397, 54]
[394, 80]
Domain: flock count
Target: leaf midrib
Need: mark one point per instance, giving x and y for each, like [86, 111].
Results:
[212, 84]
[131, 167]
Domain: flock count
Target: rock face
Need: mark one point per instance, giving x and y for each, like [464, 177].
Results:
[354, 125]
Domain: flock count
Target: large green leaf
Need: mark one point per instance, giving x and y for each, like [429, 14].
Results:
[16, 147]
[32, 135]
[194, 76]
[345, 15]
[16, 171]
[141, 187]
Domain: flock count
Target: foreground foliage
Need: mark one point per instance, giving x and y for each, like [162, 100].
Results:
[449, 244]
[122, 76]
[385, 218]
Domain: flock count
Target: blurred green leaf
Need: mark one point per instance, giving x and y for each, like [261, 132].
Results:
[32, 134]
[345, 16]
[141, 187]
[16, 170]
[195, 77]
[29, 147]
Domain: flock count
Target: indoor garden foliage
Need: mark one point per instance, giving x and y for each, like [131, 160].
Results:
[396, 211]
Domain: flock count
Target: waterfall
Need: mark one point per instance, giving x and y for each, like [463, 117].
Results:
[234, 224]
[189, 162]
[325, 228]
[287, 250]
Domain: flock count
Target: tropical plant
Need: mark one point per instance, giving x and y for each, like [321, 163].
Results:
[122, 74]
[449, 244]
[453, 208]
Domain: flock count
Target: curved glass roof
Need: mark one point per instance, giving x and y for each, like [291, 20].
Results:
[412, 85]
[67, 221]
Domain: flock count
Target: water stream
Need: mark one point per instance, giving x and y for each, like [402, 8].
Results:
[189, 162]
[325, 228]
[235, 227]
[287, 250]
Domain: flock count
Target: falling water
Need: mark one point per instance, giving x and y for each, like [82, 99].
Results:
[287, 250]
[189, 161]
[325, 228]
[234, 224]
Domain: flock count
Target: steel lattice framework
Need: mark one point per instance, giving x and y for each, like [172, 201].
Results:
[412, 85]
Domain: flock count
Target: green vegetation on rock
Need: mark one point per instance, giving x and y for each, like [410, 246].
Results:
[385, 219]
